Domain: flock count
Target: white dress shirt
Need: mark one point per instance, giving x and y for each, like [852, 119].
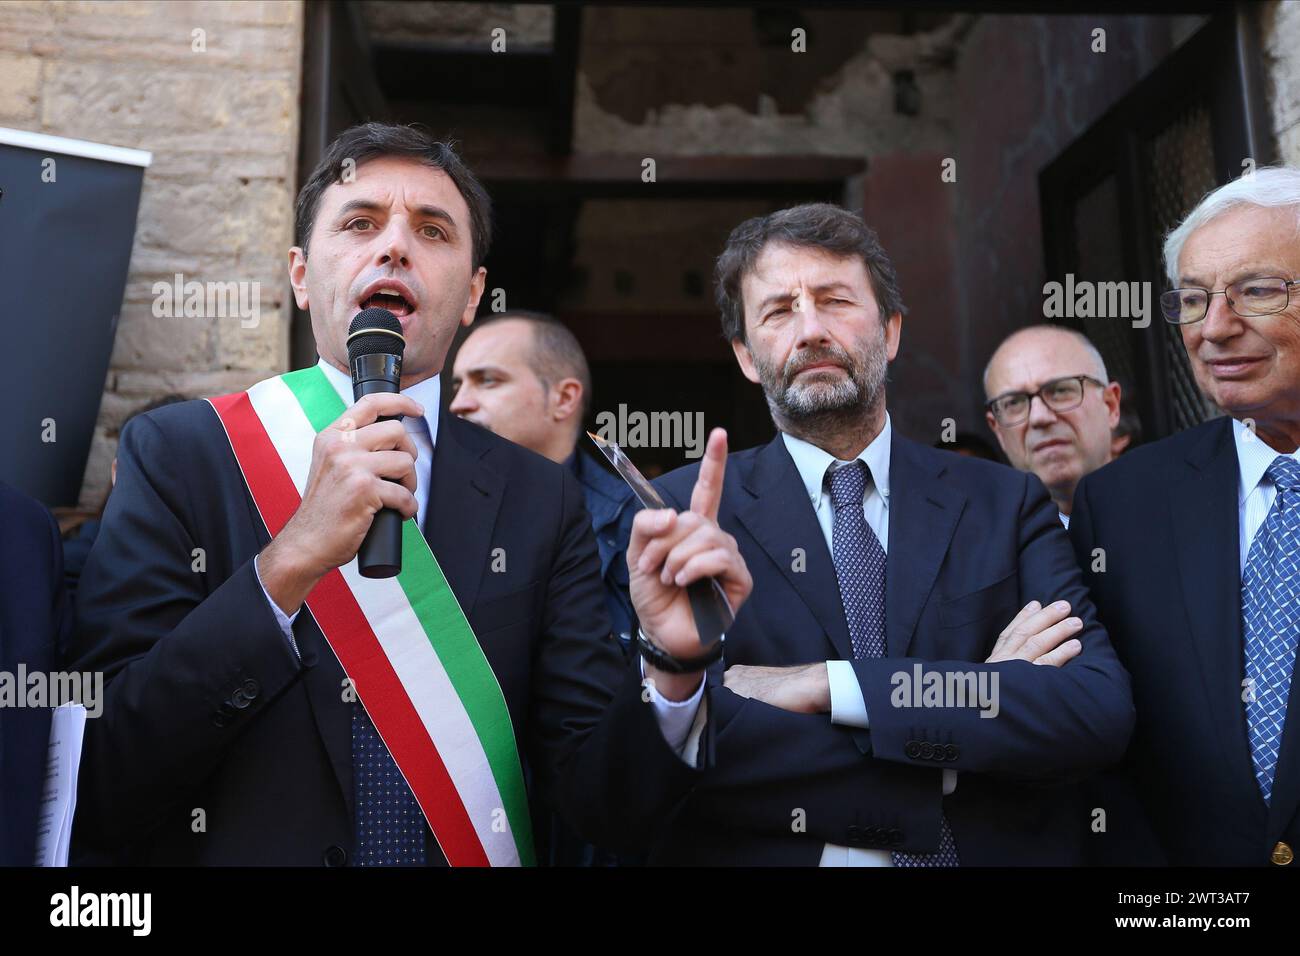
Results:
[847, 704]
[1255, 493]
[678, 721]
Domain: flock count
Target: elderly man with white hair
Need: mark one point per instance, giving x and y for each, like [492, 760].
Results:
[1192, 545]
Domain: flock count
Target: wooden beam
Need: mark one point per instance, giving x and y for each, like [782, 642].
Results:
[619, 336]
[588, 176]
[592, 168]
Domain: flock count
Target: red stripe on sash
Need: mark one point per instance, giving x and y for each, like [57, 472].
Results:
[354, 643]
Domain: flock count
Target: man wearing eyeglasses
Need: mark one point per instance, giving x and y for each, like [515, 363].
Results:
[1199, 544]
[1052, 407]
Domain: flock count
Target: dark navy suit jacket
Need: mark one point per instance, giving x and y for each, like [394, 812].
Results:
[271, 767]
[34, 628]
[1165, 518]
[970, 543]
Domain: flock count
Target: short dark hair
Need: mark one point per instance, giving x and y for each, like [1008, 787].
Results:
[374, 140]
[813, 225]
[556, 353]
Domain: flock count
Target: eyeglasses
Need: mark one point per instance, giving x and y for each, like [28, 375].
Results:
[1060, 395]
[1263, 295]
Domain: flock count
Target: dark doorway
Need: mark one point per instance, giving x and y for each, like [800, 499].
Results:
[624, 259]
[1109, 199]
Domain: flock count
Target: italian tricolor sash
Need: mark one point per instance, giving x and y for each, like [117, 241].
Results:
[404, 641]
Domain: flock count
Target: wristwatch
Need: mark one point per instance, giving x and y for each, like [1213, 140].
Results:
[656, 656]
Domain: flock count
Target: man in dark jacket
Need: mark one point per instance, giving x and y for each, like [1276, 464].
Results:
[523, 376]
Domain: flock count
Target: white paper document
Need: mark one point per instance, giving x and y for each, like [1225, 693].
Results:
[59, 798]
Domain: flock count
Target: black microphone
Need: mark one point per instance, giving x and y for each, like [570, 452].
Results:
[375, 347]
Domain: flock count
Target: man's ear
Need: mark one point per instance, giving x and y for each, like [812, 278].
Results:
[476, 287]
[566, 399]
[993, 427]
[893, 334]
[745, 359]
[1110, 395]
[298, 276]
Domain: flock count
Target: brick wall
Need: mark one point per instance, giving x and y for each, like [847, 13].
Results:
[217, 204]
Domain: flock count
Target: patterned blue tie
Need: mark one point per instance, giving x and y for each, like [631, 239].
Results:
[390, 825]
[860, 566]
[1270, 614]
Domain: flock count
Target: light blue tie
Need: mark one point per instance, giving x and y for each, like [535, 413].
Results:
[860, 567]
[1270, 614]
[418, 429]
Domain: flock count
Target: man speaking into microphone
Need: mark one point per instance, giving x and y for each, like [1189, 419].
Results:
[269, 700]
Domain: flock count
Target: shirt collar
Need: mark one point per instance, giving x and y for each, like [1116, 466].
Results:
[1253, 458]
[812, 462]
[428, 393]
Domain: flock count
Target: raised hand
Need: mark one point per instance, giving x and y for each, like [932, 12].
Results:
[668, 550]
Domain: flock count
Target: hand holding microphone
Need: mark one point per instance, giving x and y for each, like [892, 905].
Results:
[362, 467]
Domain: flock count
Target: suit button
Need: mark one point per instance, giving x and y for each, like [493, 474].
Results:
[927, 750]
[951, 752]
[239, 700]
[895, 836]
[219, 719]
[335, 856]
[871, 834]
[913, 749]
[852, 838]
[251, 688]
[1282, 854]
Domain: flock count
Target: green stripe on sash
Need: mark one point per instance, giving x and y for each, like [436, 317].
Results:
[447, 630]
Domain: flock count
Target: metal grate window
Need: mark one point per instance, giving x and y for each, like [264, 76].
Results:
[1179, 167]
[1111, 196]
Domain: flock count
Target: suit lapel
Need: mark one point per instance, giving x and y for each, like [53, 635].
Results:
[1203, 513]
[777, 512]
[464, 498]
[923, 513]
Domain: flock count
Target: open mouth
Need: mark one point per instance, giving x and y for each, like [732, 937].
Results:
[391, 301]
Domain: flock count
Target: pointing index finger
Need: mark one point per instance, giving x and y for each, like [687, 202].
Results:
[707, 494]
